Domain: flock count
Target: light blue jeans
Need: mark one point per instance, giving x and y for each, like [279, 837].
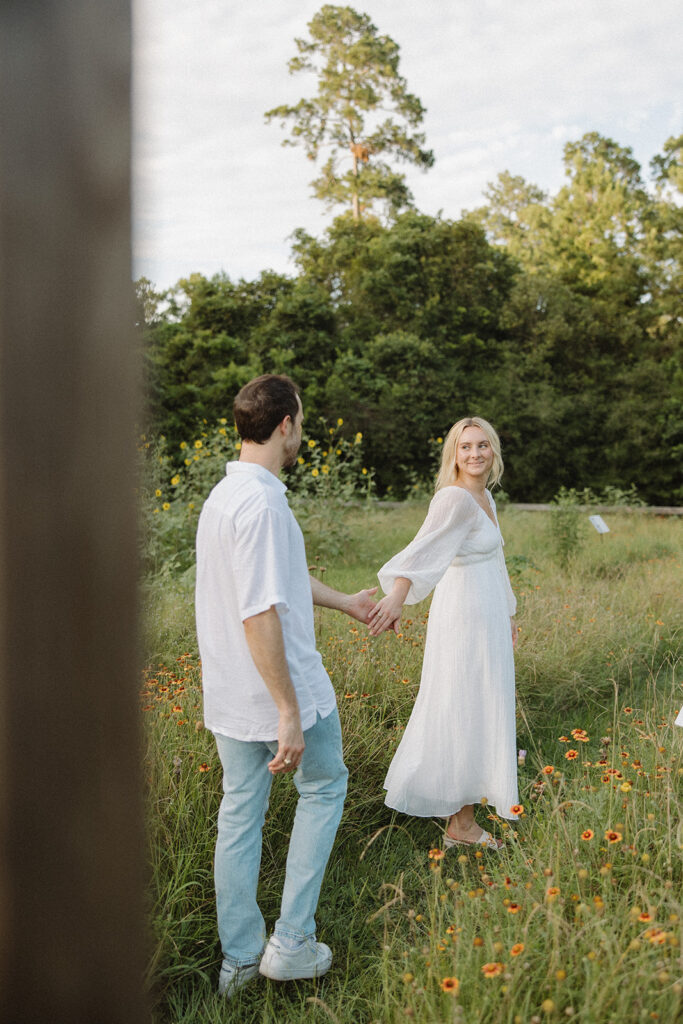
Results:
[321, 782]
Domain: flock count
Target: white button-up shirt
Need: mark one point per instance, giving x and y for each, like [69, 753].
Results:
[250, 556]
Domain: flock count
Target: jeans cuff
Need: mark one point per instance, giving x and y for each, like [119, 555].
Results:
[246, 961]
[289, 933]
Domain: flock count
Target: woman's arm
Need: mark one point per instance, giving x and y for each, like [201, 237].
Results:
[451, 515]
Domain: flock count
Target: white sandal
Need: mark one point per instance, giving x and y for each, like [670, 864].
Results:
[485, 839]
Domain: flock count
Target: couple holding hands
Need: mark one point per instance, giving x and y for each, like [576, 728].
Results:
[269, 701]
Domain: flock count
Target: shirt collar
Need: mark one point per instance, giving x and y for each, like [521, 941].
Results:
[253, 469]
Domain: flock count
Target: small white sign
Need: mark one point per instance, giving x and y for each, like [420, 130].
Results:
[599, 524]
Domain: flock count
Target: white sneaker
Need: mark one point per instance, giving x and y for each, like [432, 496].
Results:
[233, 978]
[310, 960]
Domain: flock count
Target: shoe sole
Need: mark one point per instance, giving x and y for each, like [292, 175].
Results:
[293, 975]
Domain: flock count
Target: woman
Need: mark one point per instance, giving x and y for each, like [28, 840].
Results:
[459, 745]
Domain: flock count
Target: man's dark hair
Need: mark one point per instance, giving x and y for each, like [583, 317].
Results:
[262, 404]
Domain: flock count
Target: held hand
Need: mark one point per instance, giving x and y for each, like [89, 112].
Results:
[362, 604]
[290, 745]
[386, 615]
[515, 633]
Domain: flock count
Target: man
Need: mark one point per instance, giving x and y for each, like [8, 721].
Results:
[267, 697]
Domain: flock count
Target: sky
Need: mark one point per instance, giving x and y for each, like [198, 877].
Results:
[506, 84]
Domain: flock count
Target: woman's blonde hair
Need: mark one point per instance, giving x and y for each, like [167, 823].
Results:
[448, 471]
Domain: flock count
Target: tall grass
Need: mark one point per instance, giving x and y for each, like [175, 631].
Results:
[556, 926]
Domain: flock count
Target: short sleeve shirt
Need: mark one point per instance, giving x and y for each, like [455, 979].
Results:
[251, 556]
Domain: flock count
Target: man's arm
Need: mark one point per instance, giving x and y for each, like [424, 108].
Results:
[264, 637]
[358, 606]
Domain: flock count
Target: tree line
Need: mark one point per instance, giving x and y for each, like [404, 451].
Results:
[555, 317]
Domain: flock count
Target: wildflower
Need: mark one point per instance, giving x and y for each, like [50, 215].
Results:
[628, 711]
[198, 444]
[407, 977]
[492, 970]
[626, 787]
[165, 506]
[337, 451]
[326, 470]
[571, 755]
[358, 438]
[364, 471]
[548, 1006]
[656, 936]
[183, 445]
[517, 949]
[439, 440]
[644, 916]
[560, 975]
[301, 460]
[613, 837]
[204, 767]
[436, 854]
[157, 493]
[478, 941]
[315, 471]
[517, 809]
[175, 480]
[564, 739]
[549, 769]
[552, 893]
[514, 908]
[340, 422]
[587, 835]
[450, 985]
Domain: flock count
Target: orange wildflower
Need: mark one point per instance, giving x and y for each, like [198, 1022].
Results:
[549, 769]
[517, 809]
[571, 755]
[587, 835]
[450, 985]
[613, 837]
[492, 970]
[204, 767]
[517, 949]
[552, 892]
[514, 908]
[436, 854]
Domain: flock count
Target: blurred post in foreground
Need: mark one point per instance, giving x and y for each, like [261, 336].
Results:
[71, 849]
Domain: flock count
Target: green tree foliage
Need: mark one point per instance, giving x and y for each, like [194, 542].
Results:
[556, 317]
[362, 112]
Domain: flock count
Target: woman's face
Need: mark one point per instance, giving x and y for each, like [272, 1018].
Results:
[474, 455]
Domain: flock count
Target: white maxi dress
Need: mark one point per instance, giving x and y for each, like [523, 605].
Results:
[460, 742]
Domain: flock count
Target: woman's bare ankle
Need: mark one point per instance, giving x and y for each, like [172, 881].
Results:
[459, 829]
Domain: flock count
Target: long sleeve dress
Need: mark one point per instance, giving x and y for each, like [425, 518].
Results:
[460, 742]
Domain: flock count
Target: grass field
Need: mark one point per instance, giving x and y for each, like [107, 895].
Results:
[579, 918]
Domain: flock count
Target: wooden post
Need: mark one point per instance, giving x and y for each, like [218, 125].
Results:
[71, 846]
